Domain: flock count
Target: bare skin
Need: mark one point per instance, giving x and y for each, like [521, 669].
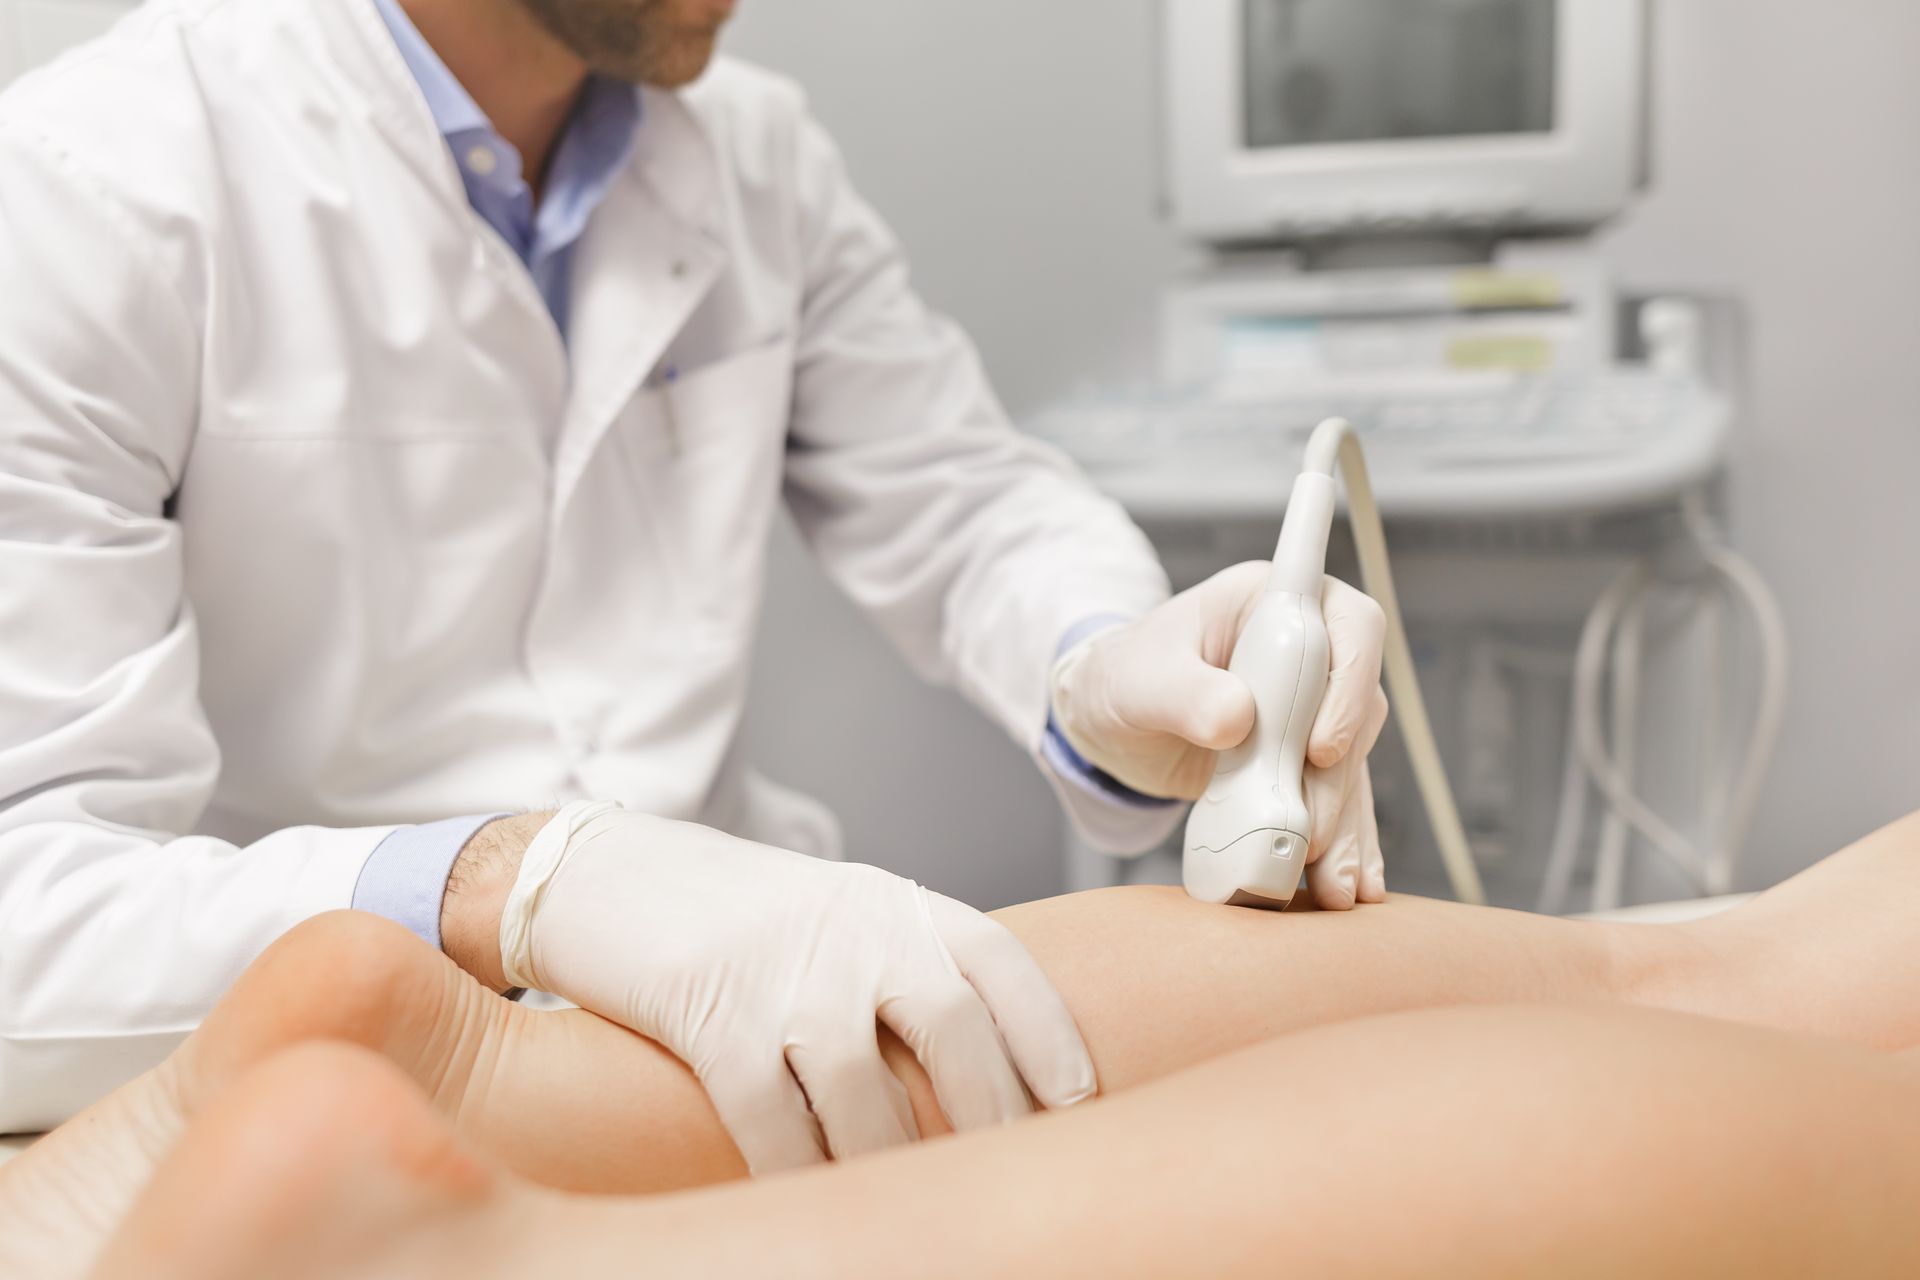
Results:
[525, 61]
[1156, 981]
[1158, 984]
[1486, 1142]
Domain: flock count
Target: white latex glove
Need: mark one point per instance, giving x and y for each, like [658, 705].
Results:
[765, 971]
[1152, 704]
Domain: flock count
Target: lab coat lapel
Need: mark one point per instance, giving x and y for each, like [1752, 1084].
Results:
[647, 262]
[353, 41]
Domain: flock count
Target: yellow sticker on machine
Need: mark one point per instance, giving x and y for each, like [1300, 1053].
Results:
[1490, 290]
[1522, 353]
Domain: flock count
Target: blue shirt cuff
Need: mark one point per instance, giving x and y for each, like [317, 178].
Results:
[406, 876]
[1070, 764]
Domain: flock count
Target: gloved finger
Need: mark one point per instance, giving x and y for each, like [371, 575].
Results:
[1334, 880]
[765, 1113]
[1188, 698]
[1356, 639]
[1034, 1021]
[861, 1106]
[1330, 792]
[1373, 863]
[944, 1022]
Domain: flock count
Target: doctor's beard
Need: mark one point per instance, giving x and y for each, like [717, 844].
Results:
[665, 43]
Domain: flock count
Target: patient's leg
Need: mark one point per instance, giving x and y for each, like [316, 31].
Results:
[1156, 981]
[1485, 1142]
[1832, 951]
[571, 1101]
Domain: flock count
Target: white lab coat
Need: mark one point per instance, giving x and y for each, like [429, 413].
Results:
[310, 525]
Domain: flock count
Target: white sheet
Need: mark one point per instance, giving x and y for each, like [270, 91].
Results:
[1671, 912]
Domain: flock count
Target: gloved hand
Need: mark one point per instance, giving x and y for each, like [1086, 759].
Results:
[765, 971]
[1152, 704]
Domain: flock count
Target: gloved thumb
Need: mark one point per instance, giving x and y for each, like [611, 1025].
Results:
[1192, 700]
[1212, 708]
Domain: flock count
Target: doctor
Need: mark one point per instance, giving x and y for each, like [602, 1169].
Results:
[395, 396]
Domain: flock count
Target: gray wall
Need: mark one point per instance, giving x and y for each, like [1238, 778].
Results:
[1789, 154]
[1011, 145]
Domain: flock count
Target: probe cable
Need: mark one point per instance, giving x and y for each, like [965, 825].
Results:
[1334, 444]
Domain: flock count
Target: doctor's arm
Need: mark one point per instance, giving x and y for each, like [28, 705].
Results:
[979, 551]
[994, 565]
[117, 930]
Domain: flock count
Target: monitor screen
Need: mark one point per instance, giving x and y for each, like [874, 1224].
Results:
[1353, 71]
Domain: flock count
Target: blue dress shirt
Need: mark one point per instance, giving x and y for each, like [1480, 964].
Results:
[405, 878]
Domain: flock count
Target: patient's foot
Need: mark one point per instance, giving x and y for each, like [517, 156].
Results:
[343, 976]
[326, 1161]
[63, 1196]
[564, 1100]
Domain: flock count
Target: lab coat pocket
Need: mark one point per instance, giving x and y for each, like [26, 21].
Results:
[706, 450]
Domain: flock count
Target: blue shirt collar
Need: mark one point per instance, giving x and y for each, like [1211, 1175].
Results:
[598, 141]
[454, 110]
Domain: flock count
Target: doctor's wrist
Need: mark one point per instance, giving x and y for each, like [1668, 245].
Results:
[477, 891]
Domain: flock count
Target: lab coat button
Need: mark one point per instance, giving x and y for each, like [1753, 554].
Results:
[680, 269]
